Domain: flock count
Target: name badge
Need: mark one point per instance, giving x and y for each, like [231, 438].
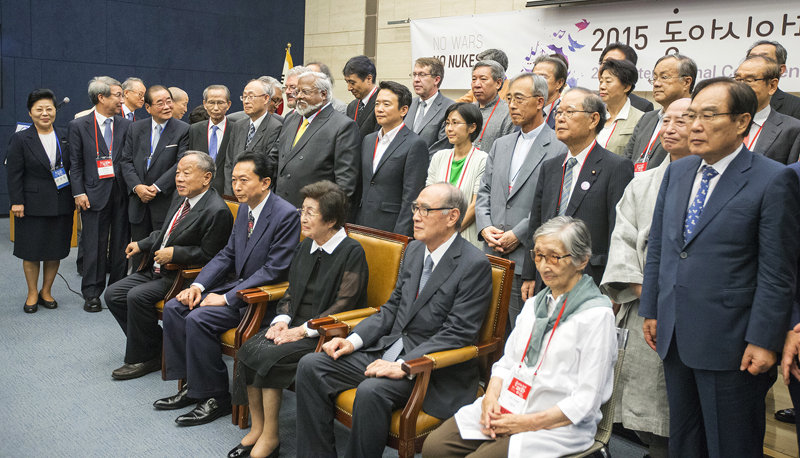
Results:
[60, 177]
[512, 400]
[640, 167]
[105, 168]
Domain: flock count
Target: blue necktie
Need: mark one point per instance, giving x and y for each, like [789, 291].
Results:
[107, 134]
[250, 134]
[154, 143]
[397, 347]
[129, 116]
[566, 189]
[699, 202]
[212, 143]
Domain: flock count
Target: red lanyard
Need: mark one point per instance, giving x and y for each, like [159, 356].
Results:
[486, 124]
[97, 145]
[646, 153]
[564, 171]
[612, 133]
[558, 320]
[550, 112]
[755, 138]
[463, 170]
[377, 139]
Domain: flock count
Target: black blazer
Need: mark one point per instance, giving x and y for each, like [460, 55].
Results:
[83, 146]
[263, 141]
[640, 103]
[606, 175]
[787, 104]
[198, 238]
[173, 143]
[367, 123]
[386, 194]
[30, 182]
[198, 141]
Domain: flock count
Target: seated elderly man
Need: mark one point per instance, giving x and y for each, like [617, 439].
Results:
[439, 303]
[259, 252]
[565, 342]
[198, 224]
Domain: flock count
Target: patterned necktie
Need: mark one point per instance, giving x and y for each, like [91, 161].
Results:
[250, 134]
[250, 223]
[129, 116]
[420, 116]
[212, 143]
[181, 214]
[566, 189]
[107, 134]
[393, 352]
[360, 108]
[699, 202]
[300, 131]
[154, 143]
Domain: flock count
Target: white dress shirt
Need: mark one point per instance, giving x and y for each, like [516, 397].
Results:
[100, 121]
[755, 128]
[50, 147]
[220, 131]
[521, 150]
[384, 140]
[720, 167]
[365, 100]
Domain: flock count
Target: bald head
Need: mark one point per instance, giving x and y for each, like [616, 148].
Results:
[675, 129]
[180, 101]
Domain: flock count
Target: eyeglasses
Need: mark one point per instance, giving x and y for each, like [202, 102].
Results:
[570, 113]
[421, 75]
[551, 258]
[162, 103]
[137, 94]
[519, 99]
[278, 101]
[247, 98]
[662, 78]
[310, 212]
[306, 92]
[424, 211]
[454, 124]
[749, 80]
[216, 103]
[117, 95]
[706, 116]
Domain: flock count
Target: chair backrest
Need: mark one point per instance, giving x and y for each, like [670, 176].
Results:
[494, 323]
[607, 409]
[233, 205]
[384, 252]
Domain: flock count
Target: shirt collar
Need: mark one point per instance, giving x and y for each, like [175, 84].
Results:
[532, 134]
[430, 99]
[193, 200]
[582, 156]
[365, 100]
[125, 110]
[153, 125]
[100, 118]
[723, 163]
[552, 303]
[437, 254]
[624, 112]
[220, 126]
[257, 211]
[311, 118]
[490, 104]
[389, 136]
[330, 246]
[257, 122]
[762, 116]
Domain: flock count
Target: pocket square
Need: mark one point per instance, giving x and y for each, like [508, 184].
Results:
[171, 146]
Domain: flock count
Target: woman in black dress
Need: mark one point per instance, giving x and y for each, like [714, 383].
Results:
[41, 198]
[328, 275]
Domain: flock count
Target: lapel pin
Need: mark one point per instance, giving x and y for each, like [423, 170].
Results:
[585, 185]
[594, 172]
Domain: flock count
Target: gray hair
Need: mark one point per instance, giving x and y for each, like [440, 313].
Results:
[324, 69]
[273, 83]
[178, 94]
[101, 85]
[780, 51]
[560, 71]
[538, 82]
[453, 199]
[267, 87]
[592, 103]
[573, 233]
[496, 55]
[128, 83]
[204, 161]
[497, 70]
[217, 87]
[296, 71]
[686, 66]
[321, 82]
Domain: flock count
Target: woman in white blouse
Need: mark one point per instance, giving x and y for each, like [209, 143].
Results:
[617, 80]
[41, 198]
[544, 397]
[463, 165]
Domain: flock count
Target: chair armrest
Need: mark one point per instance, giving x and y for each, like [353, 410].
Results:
[330, 331]
[442, 359]
[263, 293]
[184, 273]
[190, 273]
[317, 323]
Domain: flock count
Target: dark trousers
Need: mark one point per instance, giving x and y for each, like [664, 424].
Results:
[109, 224]
[132, 301]
[794, 392]
[715, 413]
[192, 347]
[320, 379]
[142, 230]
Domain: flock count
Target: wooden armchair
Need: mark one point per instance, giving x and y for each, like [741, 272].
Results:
[384, 252]
[410, 426]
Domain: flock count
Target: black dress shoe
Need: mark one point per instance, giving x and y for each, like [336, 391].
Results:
[206, 412]
[47, 304]
[240, 451]
[30, 308]
[785, 415]
[178, 401]
[136, 370]
[92, 304]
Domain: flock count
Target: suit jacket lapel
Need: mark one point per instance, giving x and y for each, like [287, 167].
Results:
[189, 219]
[260, 131]
[223, 145]
[440, 274]
[163, 141]
[768, 134]
[368, 109]
[411, 116]
[684, 185]
[37, 147]
[314, 126]
[261, 226]
[535, 156]
[589, 172]
[435, 106]
[777, 99]
[502, 164]
[101, 143]
[398, 140]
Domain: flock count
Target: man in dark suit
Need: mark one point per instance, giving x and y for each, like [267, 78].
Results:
[505, 197]
[621, 51]
[213, 136]
[438, 304]
[791, 350]
[586, 184]
[258, 132]
[782, 102]
[318, 143]
[673, 79]
[258, 253]
[360, 76]
[425, 115]
[772, 134]
[133, 94]
[198, 225]
[99, 189]
[554, 71]
[394, 165]
[151, 153]
[721, 266]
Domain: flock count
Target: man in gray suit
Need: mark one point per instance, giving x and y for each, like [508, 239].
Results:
[673, 79]
[782, 102]
[319, 144]
[505, 197]
[213, 136]
[425, 116]
[259, 133]
[394, 165]
[487, 79]
[772, 134]
[439, 303]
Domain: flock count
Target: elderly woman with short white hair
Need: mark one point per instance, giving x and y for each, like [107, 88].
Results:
[544, 397]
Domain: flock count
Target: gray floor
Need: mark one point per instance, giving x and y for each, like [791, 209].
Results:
[57, 397]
